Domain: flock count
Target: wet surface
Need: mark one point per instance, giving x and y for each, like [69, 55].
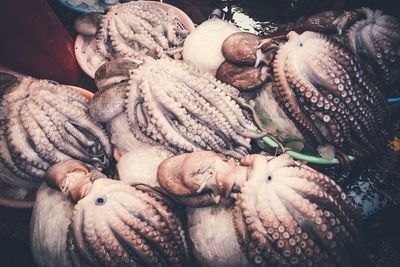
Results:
[377, 190]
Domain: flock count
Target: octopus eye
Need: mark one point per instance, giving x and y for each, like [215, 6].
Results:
[100, 201]
[235, 188]
[269, 178]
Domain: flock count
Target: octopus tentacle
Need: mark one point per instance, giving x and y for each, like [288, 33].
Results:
[77, 132]
[203, 111]
[356, 98]
[315, 193]
[102, 36]
[143, 40]
[161, 122]
[42, 145]
[215, 87]
[59, 121]
[159, 217]
[79, 118]
[286, 98]
[77, 223]
[19, 143]
[311, 95]
[375, 97]
[154, 237]
[80, 137]
[6, 159]
[184, 116]
[120, 45]
[65, 94]
[105, 243]
[146, 256]
[343, 83]
[221, 103]
[170, 221]
[140, 25]
[133, 100]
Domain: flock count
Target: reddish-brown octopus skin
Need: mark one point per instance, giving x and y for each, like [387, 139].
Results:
[199, 179]
[241, 48]
[242, 77]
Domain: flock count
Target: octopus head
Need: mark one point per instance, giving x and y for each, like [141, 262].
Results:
[248, 60]
[200, 179]
[72, 177]
[111, 78]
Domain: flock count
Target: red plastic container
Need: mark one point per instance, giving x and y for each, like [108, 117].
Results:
[34, 42]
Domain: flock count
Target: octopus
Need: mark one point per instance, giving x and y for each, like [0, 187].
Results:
[42, 123]
[111, 223]
[376, 41]
[171, 104]
[323, 89]
[134, 30]
[284, 214]
[372, 36]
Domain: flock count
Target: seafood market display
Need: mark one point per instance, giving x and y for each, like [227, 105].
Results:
[136, 30]
[42, 123]
[173, 104]
[103, 222]
[285, 213]
[323, 89]
[194, 182]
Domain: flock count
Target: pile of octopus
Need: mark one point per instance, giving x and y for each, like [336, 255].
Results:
[165, 164]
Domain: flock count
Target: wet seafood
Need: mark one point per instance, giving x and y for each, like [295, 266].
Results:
[285, 213]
